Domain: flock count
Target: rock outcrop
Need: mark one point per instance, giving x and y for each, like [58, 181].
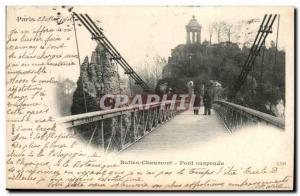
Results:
[97, 78]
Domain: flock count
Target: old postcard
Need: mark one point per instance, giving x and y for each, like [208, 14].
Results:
[150, 98]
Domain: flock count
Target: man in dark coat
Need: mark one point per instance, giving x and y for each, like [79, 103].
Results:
[197, 102]
[207, 103]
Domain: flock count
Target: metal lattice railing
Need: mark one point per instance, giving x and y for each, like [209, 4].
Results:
[235, 116]
[117, 129]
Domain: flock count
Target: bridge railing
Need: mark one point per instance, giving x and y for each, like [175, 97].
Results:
[235, 116]
[116, 129]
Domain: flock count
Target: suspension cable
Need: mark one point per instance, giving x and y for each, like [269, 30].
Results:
[276, 50]
[79, 61]
[262, 63]
[119, 80]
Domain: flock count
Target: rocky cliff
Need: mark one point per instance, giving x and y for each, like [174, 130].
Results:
[97, 78]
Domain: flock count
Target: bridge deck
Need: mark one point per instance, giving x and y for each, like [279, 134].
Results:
[184, 130]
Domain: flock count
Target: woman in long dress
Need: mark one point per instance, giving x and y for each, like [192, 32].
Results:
[197, 104]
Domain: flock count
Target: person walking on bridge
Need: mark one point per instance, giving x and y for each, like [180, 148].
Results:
[207, 103]
[197, 103]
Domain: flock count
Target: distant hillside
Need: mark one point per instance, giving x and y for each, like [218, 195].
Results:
[222, 62]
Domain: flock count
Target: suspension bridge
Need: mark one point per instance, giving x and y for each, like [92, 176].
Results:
[151, 126]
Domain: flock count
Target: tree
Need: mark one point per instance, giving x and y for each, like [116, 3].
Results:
[219, 28]
[150, 70]
[64, 94]
[223, 63]
[228, 30]
[211, 31]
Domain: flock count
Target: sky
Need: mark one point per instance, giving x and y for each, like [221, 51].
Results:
[140, 32]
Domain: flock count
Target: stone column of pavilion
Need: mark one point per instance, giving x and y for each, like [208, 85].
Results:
[193, 31]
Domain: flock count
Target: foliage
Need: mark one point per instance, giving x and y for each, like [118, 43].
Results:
[265, 84]
[64, 95]
[82, 102]
[150, 71]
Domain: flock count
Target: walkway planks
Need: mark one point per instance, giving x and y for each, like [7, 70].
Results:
[185, 129]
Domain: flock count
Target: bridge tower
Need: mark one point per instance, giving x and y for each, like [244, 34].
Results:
[193, 31]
